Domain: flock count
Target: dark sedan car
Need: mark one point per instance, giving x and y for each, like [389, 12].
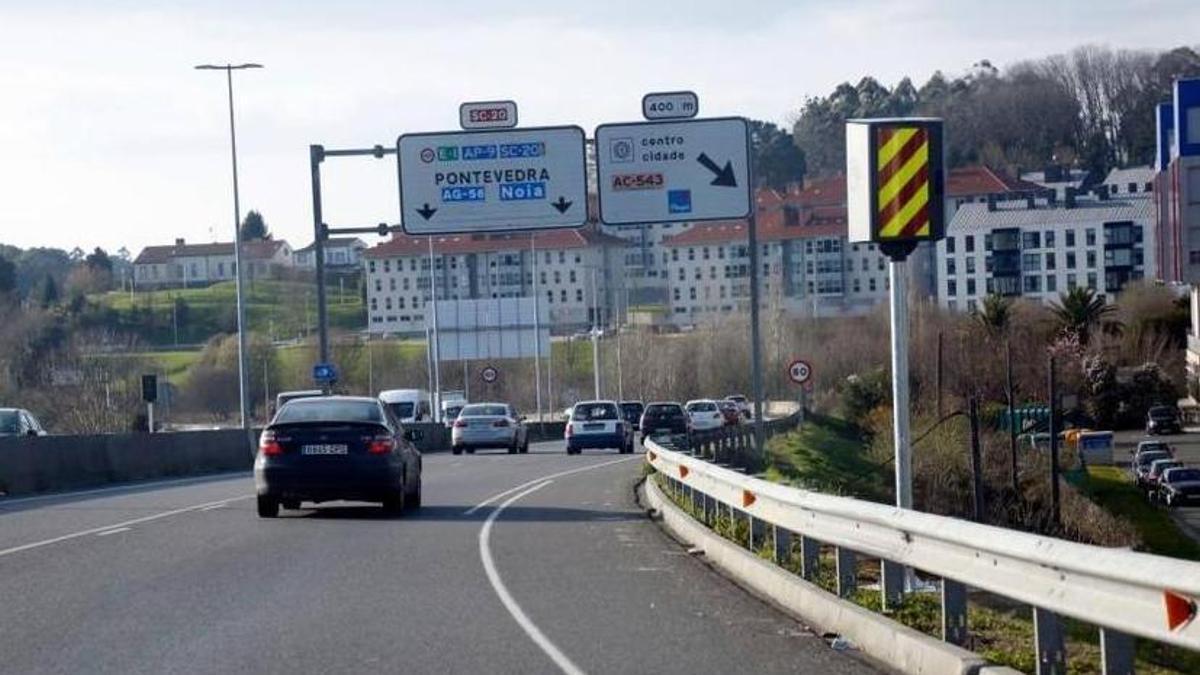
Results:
[665, 419]
[632, 412]
[1163, 419]
[337, 447]
[1180, 485]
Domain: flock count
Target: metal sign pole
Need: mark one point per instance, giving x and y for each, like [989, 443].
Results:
[150, 416]
[595, 336]
[755, 346]
[898, 277]
[537, 333]
[316, 155]
[437, 363]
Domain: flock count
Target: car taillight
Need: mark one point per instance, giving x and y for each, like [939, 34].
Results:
[500, 423]
[570, 429]
[268, 445]
[461, 424]
[381, 445]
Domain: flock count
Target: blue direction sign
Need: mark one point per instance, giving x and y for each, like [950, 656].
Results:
[324, 372]
[495, 180]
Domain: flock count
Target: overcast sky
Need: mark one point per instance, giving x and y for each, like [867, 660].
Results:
[110, 138]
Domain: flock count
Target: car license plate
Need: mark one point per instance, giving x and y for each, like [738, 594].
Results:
[325, 449]
[662, 430]
[593, 426]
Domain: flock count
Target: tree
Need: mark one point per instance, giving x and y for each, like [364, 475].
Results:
[995, 314]
[99, 259]
[254, 227]
[49, 294]
[8, 276]
[777, 159]
[1080, 311]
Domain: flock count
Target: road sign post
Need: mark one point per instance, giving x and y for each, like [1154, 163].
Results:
[150, 395]
[894, 186]
[492, 180]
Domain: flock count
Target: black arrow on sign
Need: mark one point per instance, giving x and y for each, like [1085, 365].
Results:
[426, 212]
[562, 204]
[724, 177]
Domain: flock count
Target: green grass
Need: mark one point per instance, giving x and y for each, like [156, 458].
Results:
[827, 454]
[1112, 488]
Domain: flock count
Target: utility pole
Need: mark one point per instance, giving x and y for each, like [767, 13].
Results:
[537, 332]
[595, 337]
[938, 375]
[243, 367]
[976, 463]
[437, 365]
[1055, 503]
[1012, 418]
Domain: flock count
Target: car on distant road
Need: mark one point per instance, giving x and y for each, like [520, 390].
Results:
[706, 415]
[450, 412]
[1145, 446]
[1163, 419]
[665, 418]
[19, 422]
[731, 411]
[1155, 472]
[632, 412]
[408, 405]
[489, 425]
[334, 448]
[1178, 486]
[1141, 464]
[598, 424]
[743, 404]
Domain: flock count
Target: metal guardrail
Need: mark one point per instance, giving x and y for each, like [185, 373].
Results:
[1124, 593]
[734, 446]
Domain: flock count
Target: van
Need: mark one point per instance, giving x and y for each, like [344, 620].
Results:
[452, 403]
[408, 405]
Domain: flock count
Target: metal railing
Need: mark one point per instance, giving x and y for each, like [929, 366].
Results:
[1124, 593]
[733, 445]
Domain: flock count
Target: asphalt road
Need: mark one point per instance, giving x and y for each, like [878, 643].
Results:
[1187, 450]
[557, 571]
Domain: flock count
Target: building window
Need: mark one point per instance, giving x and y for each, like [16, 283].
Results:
[704, 251]
[1050, 262]
[676, 293]
[970, 243]
[1091, 259]
[691, 254]
[1092, 280]
[371, 267]
[1031, 240]
[870, 284]
[571, 276]
[1051, 283]
[720, 252]
[1090, 236]
[1031, 262]
[1070, 238]
[692, 293]
[562, 295]
[578, 295]
[550, 297]
[987, 242]
[951, 287]
[1070, 260]
[1049, 239]
[970, 287]
[1033, 284]
[971, 264]
[949, 244]
[1194, 257]
[387, 266]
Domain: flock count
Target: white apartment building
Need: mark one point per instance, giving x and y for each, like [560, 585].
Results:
[184, 265]
[341, 253]
[576, 270]
[808, 267]
[1039, 248]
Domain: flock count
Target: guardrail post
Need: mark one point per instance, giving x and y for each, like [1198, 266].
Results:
[782, 541]
[1048, 643]
[954, 612]
[710, 511]
[891, 583]
[810, 558]
[847, 572]
[758, 532]
[1116, 652]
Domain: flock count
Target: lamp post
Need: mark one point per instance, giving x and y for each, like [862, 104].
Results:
[243, 369]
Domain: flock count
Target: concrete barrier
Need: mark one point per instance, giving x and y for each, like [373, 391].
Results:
[45, 463]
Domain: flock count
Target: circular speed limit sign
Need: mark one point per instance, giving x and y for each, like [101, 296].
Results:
[799, 371]
[489, 374]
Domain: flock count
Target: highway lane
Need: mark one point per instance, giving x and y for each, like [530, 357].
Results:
[205, 586]
[1187, 450]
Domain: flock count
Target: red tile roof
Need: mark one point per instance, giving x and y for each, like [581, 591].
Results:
[829, 191]
[457, 244]
[984, 180]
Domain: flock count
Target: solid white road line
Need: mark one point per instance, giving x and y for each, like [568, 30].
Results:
[489, 567]
[501, 495]
[127, 523]
[116, 531]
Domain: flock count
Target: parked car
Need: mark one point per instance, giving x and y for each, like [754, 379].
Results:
[665, 418]
[1144, 446]
[1163, 419]
[336, 447]
[705, 414]
[451, 404]
[743, 404]
[598, 424]
[408, 405]
[731, 411]
[1141, 464]
[19, 422]
[1178, 486]
[1154, 474]
[489, 425]
[632, 412]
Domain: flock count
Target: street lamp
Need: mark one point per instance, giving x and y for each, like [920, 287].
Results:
[243, 369]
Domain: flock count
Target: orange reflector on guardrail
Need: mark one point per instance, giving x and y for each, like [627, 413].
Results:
[748, 498]
[683, 471]
[651, 455]
[1180, 610]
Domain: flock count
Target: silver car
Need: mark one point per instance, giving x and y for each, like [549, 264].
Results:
[489, 425]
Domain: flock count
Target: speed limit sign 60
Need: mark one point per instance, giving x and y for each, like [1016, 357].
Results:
[489, 374]
[799, 371]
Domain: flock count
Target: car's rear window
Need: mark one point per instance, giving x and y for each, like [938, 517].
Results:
[402, 410]
[1146, 458]
[1162, 412]
[484, 411]
[704, 406]
[453, 411]
[594, 412]
[631, 407]
[8, 422]
[1161, 466]
[664, 410]
[1181, 475]
[326, 410]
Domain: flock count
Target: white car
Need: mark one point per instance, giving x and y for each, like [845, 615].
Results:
[706, 415]
[598, 424]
